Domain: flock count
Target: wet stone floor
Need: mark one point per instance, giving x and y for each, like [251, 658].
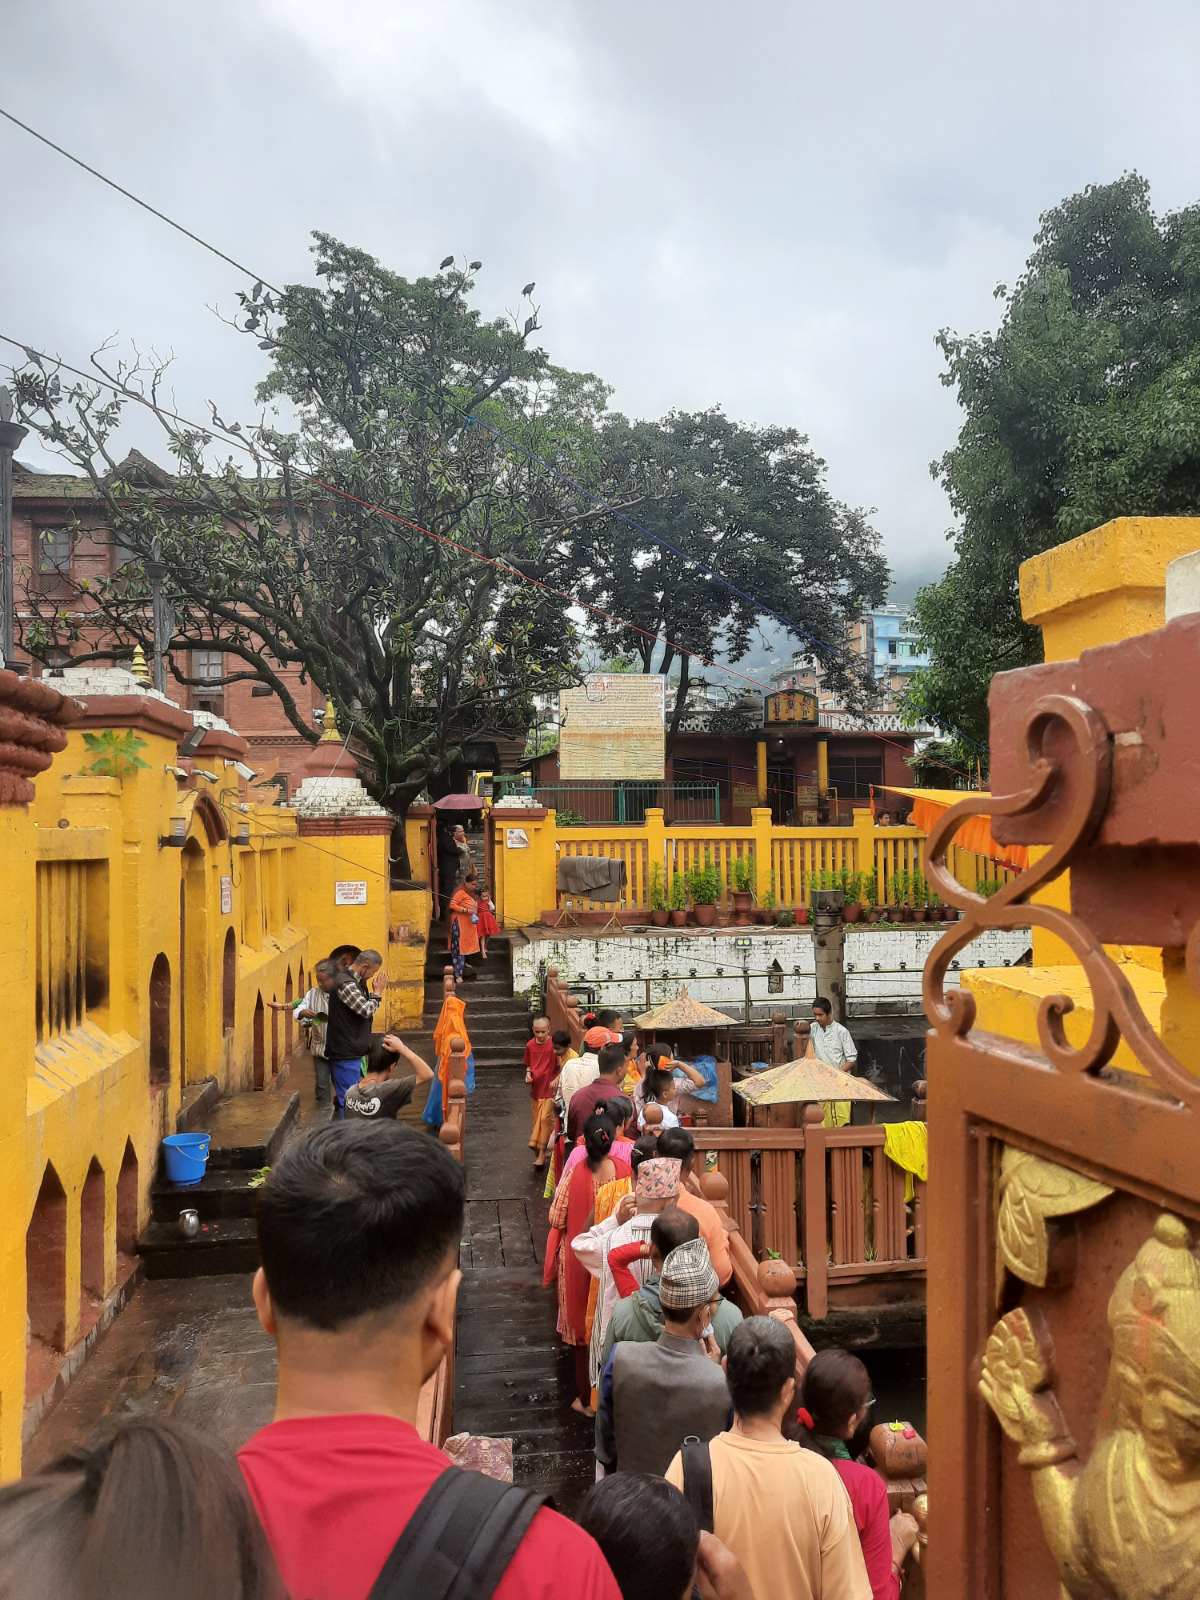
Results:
[193, 1349]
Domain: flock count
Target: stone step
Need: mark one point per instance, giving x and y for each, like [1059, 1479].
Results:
[248, 1129]
[225, 1244]
[223, 1192]
[196, 1104]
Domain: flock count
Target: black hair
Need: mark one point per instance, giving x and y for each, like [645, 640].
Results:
[149, 1507]
[629, 1041]
[561, 1039]
[822, 1004]
[599, 1131]
[836, 1385]
[610, 1060]
[357, 1217]
[605, 1019]
[671, 1228]
[379, 1057]
[760, 1359]
[647, 1533]
[656, 1053]
[345, 952]
[677, 1142]
[656, 1082]
[645, 1149]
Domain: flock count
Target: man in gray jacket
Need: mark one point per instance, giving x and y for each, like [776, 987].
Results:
[639, 1316]
[654, 1396]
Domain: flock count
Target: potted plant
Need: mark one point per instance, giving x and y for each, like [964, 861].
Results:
[677, 908]
[785, 919]
[933, 902]
[920, 898]
[705, 885]
[870, 895]
[659, 914]
[901, 887]
[766, 909]
[851, 885]
[742, 881]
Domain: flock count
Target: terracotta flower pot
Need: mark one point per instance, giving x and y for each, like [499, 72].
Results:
[659, 919]
[705, 915]
[801, 915]
[852, 911]
[678, 918]
[874, 913]
[743, 908]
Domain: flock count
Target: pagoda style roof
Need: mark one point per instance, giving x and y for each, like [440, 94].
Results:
[681, 1013]
[804, 1080]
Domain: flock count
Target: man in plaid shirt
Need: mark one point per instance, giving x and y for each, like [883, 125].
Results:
[353, 1002]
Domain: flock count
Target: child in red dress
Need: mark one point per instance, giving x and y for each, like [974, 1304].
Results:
[487, 919]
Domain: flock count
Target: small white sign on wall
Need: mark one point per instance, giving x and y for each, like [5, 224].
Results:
[350, 892]
[516, 839]
[226, 897]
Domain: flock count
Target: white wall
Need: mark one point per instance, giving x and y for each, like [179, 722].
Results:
[883, 968]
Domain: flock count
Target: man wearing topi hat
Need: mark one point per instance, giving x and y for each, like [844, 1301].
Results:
[654, 1396]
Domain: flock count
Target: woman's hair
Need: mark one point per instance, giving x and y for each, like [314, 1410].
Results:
[619, 1107]
[836, 1385]
[599, 1131]
[647, 1533]
[629, 1041]
[150, 1510]
[656, 1053]
[471, 877]
[645, 1149]
[656, 1084]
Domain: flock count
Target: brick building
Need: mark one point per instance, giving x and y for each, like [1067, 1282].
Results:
[60, 540]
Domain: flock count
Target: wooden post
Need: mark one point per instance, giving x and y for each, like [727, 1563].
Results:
[453, 1129]
[816, 1205]
[920, 1090]
[779, 1044]
[777, 1281]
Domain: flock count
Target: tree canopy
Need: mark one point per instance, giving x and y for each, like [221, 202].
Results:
[399, 395]
[1084, 405]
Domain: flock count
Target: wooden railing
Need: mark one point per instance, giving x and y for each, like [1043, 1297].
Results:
[828, 1203]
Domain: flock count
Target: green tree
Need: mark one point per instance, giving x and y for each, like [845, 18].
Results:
[749, 504]
[1083, 406]
[392, 386]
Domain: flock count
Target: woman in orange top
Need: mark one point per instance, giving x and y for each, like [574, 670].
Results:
[464, 923]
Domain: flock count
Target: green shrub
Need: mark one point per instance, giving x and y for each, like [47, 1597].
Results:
[658, 896]
[743, 874]
[678, 901]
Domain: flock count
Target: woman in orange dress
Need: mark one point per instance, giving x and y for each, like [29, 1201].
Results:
[464, 923]
[451, 1023]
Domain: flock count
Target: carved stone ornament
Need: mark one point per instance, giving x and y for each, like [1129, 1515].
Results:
[1125, 1523]
[1033, 1191]
[1070, 758]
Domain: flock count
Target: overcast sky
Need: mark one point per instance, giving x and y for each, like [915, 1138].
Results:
[773, 207]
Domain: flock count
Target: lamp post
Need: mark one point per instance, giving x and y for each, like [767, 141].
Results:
[11, 434]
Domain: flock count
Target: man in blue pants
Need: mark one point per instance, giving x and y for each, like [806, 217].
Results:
[353, 1002]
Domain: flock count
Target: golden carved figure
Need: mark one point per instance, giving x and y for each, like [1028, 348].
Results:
[1032, 1191]
[1125, 1523]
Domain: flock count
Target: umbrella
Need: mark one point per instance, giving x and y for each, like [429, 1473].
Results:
[681, 1013]
[459, 802]
[807, 1079]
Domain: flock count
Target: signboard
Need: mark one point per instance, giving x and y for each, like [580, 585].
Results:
[226, 897]
[794, 707]
[350, 892]
[613, 727]
[516, 839]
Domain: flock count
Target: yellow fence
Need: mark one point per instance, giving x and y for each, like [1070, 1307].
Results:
[787, 862]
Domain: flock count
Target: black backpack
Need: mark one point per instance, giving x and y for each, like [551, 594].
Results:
[460, 1540]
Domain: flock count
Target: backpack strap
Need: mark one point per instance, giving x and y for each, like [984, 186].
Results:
[459, 1541]
[698, 1481]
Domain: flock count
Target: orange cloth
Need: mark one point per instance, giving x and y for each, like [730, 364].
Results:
[930, 806]
[462, 909]
[712, 1231]
[451, 1023]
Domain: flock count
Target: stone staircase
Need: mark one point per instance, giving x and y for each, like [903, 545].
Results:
[247, 1132]
[497, 1020]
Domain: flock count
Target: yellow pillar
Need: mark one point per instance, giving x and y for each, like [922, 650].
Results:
[864, 840]
[760, 760]
[823, 767]
[656, 847]
[526, 844]
[760, 821]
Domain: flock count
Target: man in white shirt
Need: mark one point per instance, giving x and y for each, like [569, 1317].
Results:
[585, 1069]
[831, 1043]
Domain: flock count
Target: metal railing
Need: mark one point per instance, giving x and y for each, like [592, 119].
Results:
[583, 804]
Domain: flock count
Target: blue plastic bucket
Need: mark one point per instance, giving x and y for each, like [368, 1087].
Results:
[185, 1156]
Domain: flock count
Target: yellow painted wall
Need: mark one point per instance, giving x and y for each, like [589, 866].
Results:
[90, 890]
[1105, 586]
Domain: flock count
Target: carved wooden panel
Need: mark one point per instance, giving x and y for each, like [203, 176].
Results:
[1064, 1283]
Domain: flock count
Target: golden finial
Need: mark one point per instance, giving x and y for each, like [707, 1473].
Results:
[138, 666]
[330, 734]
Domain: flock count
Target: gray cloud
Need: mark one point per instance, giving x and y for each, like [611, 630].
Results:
[770, 207]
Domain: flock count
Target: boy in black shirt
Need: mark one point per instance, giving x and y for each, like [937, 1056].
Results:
[380, 1092]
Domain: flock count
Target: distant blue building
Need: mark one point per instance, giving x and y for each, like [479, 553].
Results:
[892, 644]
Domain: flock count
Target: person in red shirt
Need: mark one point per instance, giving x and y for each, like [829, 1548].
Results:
[600, 1091]
[541, 1074]
[359, 1226]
